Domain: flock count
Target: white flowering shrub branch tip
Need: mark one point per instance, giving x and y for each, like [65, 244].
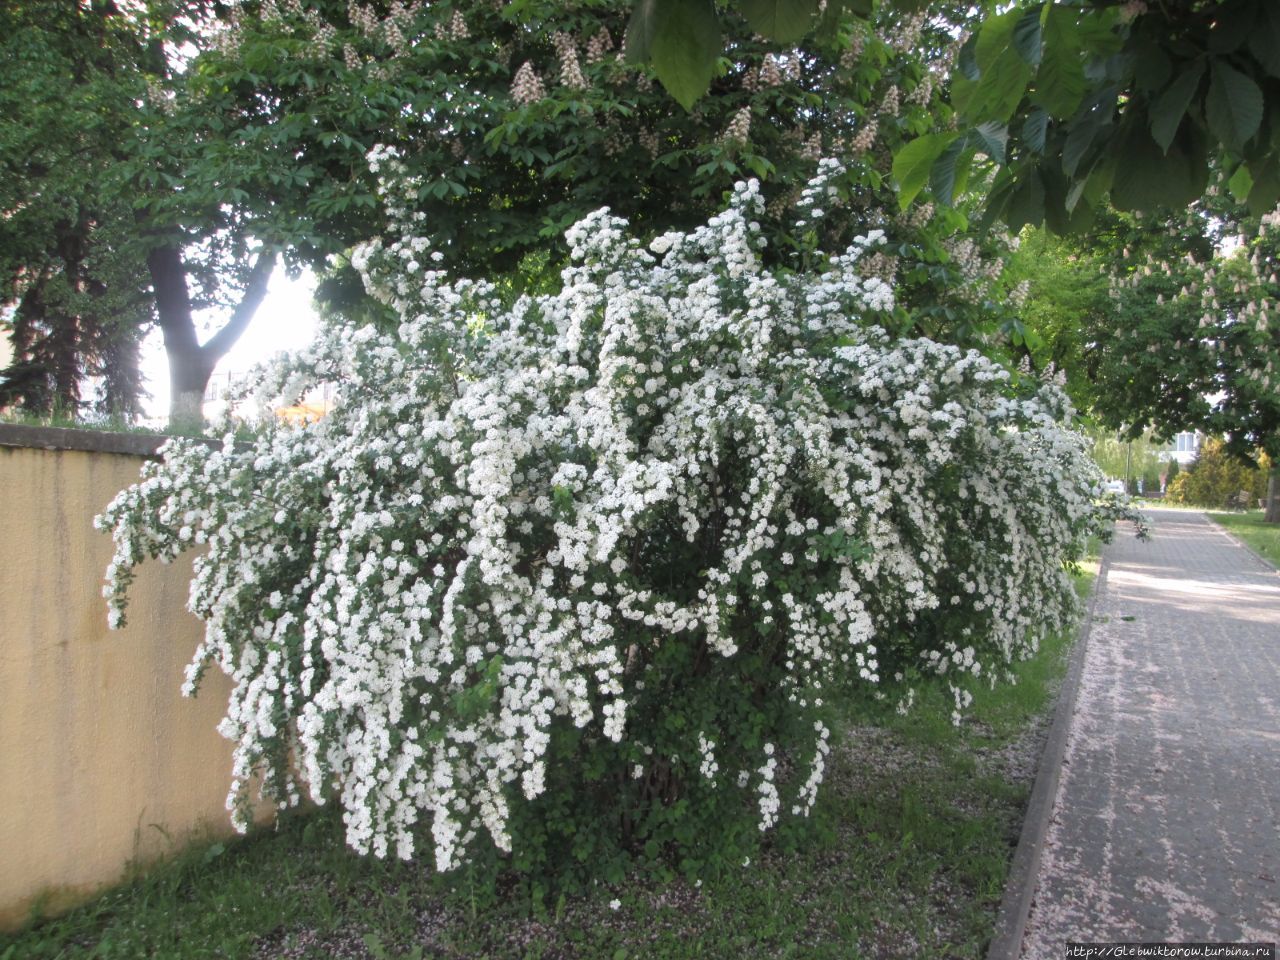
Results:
[632, 534]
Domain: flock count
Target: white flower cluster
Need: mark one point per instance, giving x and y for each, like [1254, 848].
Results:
[570, 70]
[739, 128]
[769, 800]
[600, 44]
[519, 513]
[526, 86]
[807, 795]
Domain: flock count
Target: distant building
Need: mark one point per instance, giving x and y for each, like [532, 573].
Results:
[1185, 448]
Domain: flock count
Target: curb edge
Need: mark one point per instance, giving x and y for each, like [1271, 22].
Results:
[1024, 869]
[1239, 542]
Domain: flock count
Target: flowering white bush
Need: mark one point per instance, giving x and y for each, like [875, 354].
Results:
[612, 548]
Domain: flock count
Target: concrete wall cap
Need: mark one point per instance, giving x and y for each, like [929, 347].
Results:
[89, 441]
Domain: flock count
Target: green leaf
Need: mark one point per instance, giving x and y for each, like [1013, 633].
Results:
[1097, 33]
[685, 47]
[831, 18]
[1241, 183]
[913, 163]
[1234, 105]
[1232, 25]
[1264, 193]
[963, 91]
[997, 199]
[1060, 81]
[213, 852]
[963, 166]
[1151, 66]
[1075, 193]
[992, 138]
[1002, 73]
[783, 21]
[1026, 35]
[1101, 176]
[1264, 42]
[640, 31]
[942, 175]
[967, 60]
[995, 39]
[1057, 189]
[1169, 109]
[1147, 178]
[1080, 138]
[1026, 201]
[1035, 129]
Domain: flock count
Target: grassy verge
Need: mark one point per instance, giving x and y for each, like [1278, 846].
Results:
[114, 425]
[67, 421]
[1252, 529]
[906, 857]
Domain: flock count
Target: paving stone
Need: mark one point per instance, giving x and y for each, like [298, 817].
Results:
[1166, 826]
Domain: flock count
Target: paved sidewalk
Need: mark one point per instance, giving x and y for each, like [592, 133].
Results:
[1166, 825]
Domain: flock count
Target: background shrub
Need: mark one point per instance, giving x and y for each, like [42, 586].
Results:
[1214, 478]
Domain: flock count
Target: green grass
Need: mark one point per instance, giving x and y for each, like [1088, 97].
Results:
[1263, 537]
[244, 432]
[906, 857]
[67, 421]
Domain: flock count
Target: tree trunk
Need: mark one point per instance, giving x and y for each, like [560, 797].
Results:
[190, 362]
[1273, 494]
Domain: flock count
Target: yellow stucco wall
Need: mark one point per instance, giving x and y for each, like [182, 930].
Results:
[102, 762]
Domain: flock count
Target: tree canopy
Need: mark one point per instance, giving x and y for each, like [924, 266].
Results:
[1074, 102]
[241, 135]
[75, 289]
[1136, 104]
[236, 138]
[1164, 325]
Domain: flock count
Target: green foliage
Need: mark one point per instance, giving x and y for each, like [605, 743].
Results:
[1188, 345]
[1061, 288]
[75, 286]
[1170, 107]
[1177, 492]
[1157, 331]
[1138, 460]
[1233, 106]
[914, 163]
[519, 164]
[1138, 106]
[1002, 69]
[256, 146]
[783, 21]
[1214, 479]
[682, 39]
[1060, 80]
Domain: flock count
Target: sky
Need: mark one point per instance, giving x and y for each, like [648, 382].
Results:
[285, 321]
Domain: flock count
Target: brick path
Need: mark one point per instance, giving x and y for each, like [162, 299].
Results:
[1166, 825]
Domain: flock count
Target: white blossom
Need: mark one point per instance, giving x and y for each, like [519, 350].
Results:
[515, 507]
